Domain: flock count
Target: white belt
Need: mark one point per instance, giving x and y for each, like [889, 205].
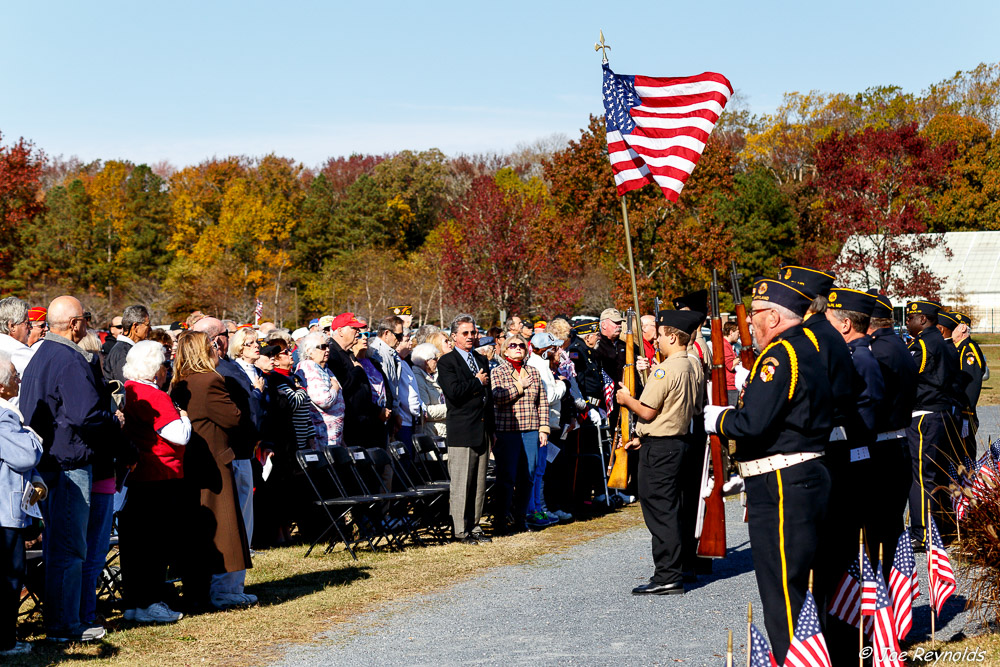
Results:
[891, 435]
[837, 434]
[920, 413]
[776, 462]
[860, 453]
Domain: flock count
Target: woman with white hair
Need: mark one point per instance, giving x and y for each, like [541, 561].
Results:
[327, 399]
[424, 358]
[152, 520]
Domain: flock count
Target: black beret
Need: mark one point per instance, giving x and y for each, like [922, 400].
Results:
[923, 307]
[783, 294]
[588, 327]
[883, 306]
[687, 321]
[844, 298]
[948, 319]
[270, 351]
[807, 279]
[696, 301]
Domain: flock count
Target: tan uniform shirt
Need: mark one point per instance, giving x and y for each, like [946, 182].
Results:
[672, 389]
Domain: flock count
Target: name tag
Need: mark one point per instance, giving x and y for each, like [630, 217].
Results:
[400, 451]
[358, 456]
[860, 454]
[311, 457]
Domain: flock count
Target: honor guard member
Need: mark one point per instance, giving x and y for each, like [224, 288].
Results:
[781, 430]
[664, 412]
[973, 361]
[582, 352]
[698, 302]
[891, 453]
[930, 447]
[965, 446]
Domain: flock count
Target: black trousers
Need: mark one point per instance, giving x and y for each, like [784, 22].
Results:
[891, 463]
[786, 511]
[931, 449]
[661, 461]
[150, 534]
[691, 470]
[11, 578]
[558, 487]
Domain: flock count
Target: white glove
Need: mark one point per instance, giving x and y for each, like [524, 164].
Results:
[595, 417]
[712, 413]
[706, 490]
[733, 486]
[965, 428]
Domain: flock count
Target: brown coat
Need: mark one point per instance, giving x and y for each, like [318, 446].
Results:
[218, 536]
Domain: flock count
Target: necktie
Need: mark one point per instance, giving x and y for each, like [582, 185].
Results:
[472, 364]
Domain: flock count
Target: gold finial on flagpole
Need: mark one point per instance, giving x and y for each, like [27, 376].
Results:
[601, 45]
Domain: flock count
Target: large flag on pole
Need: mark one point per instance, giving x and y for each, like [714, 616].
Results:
[658, 126]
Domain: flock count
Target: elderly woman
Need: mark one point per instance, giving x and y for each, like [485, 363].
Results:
[216, 538]
[424, 358]
[151, 527]
[522, 426]
[442, 342]
[326, 398]
[20, 452]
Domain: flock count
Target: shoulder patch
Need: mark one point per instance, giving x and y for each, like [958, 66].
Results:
[766, 372]
[970, 360]
[771, 361]
[659, 374]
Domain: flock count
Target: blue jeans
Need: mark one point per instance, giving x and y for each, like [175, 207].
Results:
[98, 540]
[66, 512]
[536, 503]
[515, 453]
[232, 582]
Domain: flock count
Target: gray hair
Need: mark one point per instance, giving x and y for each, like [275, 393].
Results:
[12, 310]
[280, 334]
[423, 353]
[90, 342]
[510, 323]
[462, 318]
[7, 370]
[388, 324]
[133, 315]
[785, 313]
[309, 343]
[423, 332]
[144, 361]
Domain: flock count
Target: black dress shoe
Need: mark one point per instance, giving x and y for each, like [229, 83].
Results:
[918, 545]
[652, 588]
[482, 537]
[468, 539]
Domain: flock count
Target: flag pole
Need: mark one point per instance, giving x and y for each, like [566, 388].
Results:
[729, 650]
[861, 621]
[930, 556]
[631, 262]
[749, 621]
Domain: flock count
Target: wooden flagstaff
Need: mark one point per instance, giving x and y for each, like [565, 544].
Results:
[729, 650]
[750, 620]
[929, 551]
[861, 622]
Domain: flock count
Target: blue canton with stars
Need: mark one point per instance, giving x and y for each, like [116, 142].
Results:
[619, 97]
[903, 561]
[808, 625]
[760, 652]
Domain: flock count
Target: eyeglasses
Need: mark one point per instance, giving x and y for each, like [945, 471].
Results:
[115, 326]
[323, 346]
[517, 346]
[466, 333]
[755, 311]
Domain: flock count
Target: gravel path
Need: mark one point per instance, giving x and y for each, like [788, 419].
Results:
[575, 608]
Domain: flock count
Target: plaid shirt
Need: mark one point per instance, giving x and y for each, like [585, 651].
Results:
[519, 408]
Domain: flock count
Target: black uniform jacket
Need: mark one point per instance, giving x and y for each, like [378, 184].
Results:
[863, 423]
[786, 404]
[937, 372]
[899, 373]
[973, 369]
[588, 372]
[844, 381]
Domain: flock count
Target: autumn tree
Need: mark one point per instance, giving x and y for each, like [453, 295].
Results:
[21, 167]
[969, 198]
[875, 188]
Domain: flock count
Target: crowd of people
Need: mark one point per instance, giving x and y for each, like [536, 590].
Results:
[162, 435]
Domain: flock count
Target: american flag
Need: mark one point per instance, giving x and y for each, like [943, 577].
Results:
[879, 607]
[760, 650]
[258, 311]
[904, 584]
[609, 391]
[983, 477]
[658, 126]
[808, 647]
[869, 588]
[959, 502]
[846, 601]
[940, 576]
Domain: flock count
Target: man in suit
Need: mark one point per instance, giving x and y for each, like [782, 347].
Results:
[465, 380]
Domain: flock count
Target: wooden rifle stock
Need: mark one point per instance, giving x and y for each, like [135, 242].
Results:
[618, 478]
[712, 543]
[747, 356]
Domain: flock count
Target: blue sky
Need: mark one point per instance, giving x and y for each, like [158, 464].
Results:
[183, 81]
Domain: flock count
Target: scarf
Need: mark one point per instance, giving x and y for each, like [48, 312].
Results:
[516, 364]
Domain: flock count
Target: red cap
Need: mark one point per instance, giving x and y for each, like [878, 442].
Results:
[37, 314]
[345, 320]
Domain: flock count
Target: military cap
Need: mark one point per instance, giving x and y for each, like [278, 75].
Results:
[922, 307]
[783, 294]
[883, 306]
[687, 321]
[962, 318]
[588, 327]
[696, 301]
[612, 314]
[948, 319]
[811, 281]
[401, 310]
[844, 298]
[37, 314]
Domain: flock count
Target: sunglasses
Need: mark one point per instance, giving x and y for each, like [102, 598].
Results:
[324, 346]
[517, 346]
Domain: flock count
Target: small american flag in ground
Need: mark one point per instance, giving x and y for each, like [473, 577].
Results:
[760, 650]
[940, 576]
[884, 645]
[658, 126]
[808, 647]
[959, 503]
[609, 391]
[846, 601]
[869, 587]
[903, 584]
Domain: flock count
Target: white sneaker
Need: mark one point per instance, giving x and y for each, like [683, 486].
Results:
[157, 612]
[20, 648]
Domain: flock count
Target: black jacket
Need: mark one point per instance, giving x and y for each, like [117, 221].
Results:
[844, 381]
[937, 371]
[114, 361]
[363, 426]
[973, 365]
[588, 372]
[899, 374]
[470, 403]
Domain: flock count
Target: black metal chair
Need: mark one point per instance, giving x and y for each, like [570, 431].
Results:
[329, 498]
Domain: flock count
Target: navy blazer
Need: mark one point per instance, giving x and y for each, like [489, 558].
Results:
[469, 418]
[250, 401]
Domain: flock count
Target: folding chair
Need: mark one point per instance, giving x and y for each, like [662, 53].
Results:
[329, 498]
[432, 496]
[431, 458]
[402, 507]
[34, 583]
[344, 471]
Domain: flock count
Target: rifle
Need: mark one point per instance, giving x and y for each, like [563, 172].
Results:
[747, 356]
[618, 475]
[712, 542]
[656, 318]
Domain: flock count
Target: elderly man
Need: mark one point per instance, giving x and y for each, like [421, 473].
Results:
[227, 588]
[465, 380]
[135, 328]
[362, 415]
[115, 330]
[382, 349]
[65, 401]
[36, 316]
[14, 331]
